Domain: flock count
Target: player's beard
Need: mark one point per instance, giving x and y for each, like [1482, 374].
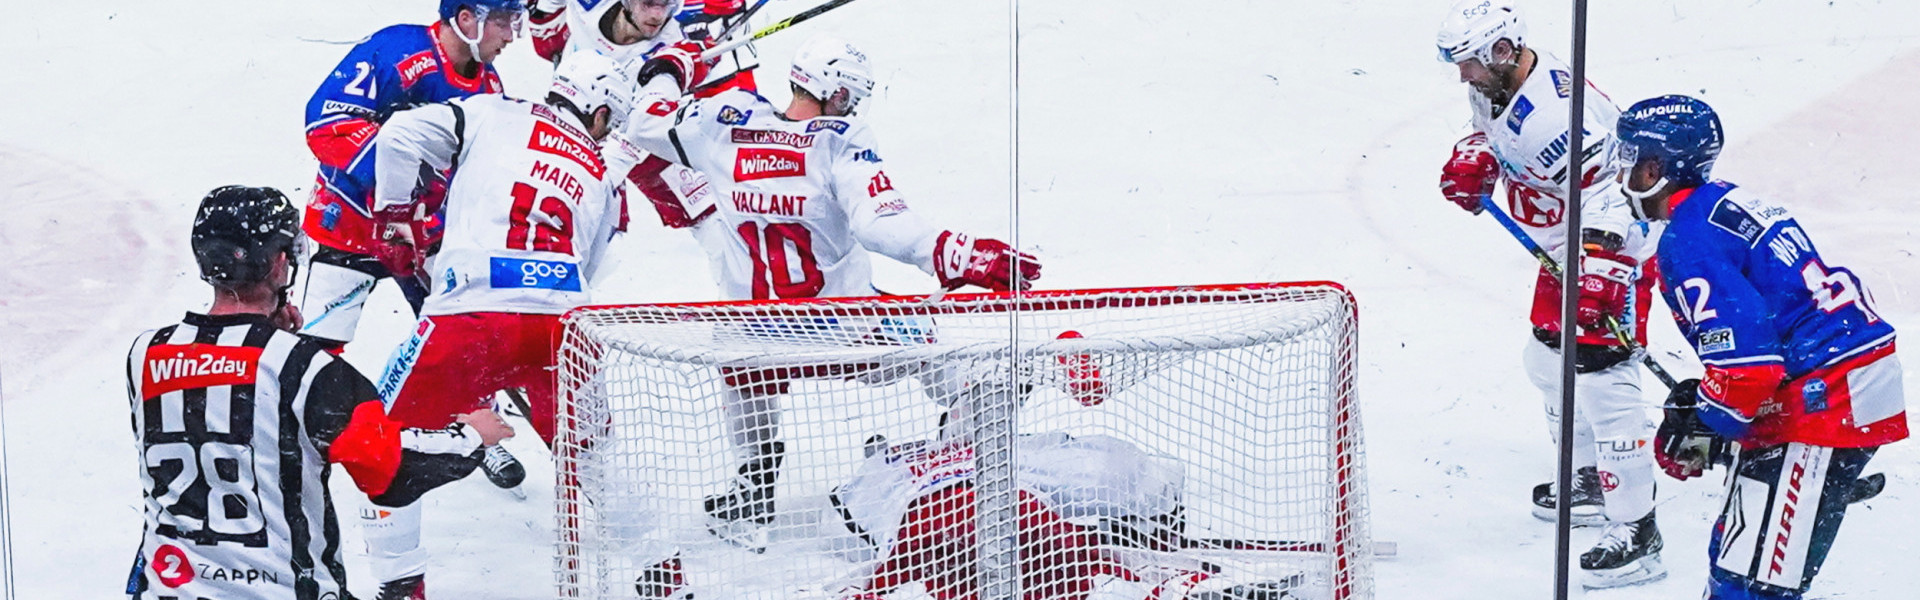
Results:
[1496, 88]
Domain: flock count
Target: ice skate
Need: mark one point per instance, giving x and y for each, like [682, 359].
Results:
[404, 588]
[1627, 554]
[1589, 506]
[663, 581]
[740, 515]
[503, 470]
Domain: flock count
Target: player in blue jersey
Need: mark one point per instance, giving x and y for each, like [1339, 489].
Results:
[1800, 369]
[399, 67]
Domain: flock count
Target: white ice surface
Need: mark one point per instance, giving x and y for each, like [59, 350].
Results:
[1238, 140]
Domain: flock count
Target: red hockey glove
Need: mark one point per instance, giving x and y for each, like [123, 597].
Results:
[681, 61]
[724, 8]
[960, 259]
[1470, 174]
[1605, 276]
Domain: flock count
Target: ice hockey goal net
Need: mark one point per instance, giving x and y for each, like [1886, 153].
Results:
[1147, 432]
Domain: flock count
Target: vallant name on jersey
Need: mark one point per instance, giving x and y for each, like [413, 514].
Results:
[784, 205]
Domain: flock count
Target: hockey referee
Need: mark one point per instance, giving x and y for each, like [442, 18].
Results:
[238, 420]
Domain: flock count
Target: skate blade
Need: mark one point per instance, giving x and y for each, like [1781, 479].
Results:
[1581, 517]
[519, 493]
[1646, 569]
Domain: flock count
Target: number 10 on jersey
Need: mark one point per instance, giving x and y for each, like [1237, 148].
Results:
[773, 276]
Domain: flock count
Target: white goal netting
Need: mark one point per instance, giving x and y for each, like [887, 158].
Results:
[1199, 442]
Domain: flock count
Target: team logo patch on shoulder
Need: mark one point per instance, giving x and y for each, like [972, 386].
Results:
[1717, 340]
[1522, 107]
[1562, 83]
[836, 126]
[733, 116]
[1729, 216]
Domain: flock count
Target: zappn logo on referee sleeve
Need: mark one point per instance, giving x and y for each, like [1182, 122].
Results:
[172, 368]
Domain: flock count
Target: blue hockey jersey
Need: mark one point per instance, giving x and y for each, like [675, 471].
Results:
[1752, 295]
[399, 67]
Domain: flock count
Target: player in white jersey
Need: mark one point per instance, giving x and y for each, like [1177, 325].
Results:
[800, 198]
[630, 31]
[1096, 515]
[529, 214]
[1520, 100]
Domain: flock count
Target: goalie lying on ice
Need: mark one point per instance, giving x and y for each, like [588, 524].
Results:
[1094, 513]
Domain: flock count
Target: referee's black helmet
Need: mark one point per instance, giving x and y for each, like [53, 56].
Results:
[238, 230]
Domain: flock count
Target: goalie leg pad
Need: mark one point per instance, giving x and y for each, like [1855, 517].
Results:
[1783, 510]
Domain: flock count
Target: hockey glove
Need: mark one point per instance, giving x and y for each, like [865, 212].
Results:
[1471, 173]
[680, 61]
[1683, 446]
[1605, 277]
[960, 259]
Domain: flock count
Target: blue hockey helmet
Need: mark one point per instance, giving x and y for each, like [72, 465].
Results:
[451, 8]
[1681, 132]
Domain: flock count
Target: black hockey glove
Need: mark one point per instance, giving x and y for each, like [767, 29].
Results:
[1684, 446]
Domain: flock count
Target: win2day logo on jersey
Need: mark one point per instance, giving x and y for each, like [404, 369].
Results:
[767, 163]
[172, 368]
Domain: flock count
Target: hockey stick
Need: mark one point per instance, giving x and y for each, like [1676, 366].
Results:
[776, 27]
[1866, 488]
[742, 22]
[1553, 268]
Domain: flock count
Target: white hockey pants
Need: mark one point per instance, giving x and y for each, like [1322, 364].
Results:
[1611, 429]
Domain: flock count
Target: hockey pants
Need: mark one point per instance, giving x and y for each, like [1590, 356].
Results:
[1611, 429]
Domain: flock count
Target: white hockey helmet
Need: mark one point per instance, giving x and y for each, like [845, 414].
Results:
[590, 80]
[825, 65]
[1473, 26]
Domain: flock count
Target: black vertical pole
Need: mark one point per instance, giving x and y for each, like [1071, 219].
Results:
[1569, 301]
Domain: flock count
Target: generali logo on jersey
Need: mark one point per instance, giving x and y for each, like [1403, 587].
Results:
[773, 137]
[551, 140]
[766, 163]
[172, 368]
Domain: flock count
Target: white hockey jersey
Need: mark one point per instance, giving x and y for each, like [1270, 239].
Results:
[1530, 137]
[528, 212]
[797, 205]
[1076, 477]
[583, 33]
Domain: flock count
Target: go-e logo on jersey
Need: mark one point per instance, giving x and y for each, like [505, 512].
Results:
[766, 163]
[516, 273]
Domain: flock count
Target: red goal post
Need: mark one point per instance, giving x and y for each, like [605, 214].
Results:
[1246, 391]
